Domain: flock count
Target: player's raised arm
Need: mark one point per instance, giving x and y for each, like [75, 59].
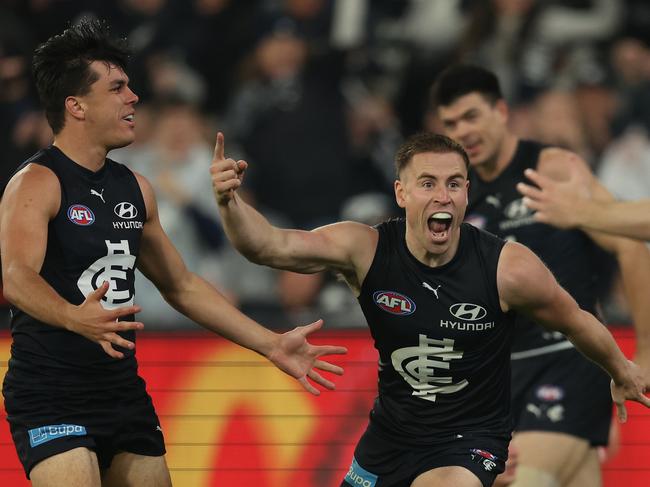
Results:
[526, 285]
[563, 205]
[568, 194]
[344, 246]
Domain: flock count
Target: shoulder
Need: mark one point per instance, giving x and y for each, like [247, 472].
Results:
[143, 182]
[355, 235]
[354, 245]
[34, 175]
[520, 274]
[514, 259]
[482, 239]
[40, 165]
[34, 185]
[393, 228]
[479, 233]
[148, 193]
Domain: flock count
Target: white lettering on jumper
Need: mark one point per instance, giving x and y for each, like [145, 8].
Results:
[463, 326]
[127, 225]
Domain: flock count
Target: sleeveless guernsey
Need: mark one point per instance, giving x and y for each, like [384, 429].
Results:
[95, 237]
[443, 340]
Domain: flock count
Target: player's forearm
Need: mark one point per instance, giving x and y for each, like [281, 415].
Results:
[634, 263]
[202, 303]
[626, 218]
[594, 341]
[248, 230]
[27, 290]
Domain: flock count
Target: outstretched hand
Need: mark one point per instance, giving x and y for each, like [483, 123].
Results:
[227, 174]
[633, 389]
[297, 357]
[100, 325]
[554, 202]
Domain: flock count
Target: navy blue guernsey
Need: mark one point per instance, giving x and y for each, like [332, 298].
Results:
[443, 340]
[577, 263]
[95, 237]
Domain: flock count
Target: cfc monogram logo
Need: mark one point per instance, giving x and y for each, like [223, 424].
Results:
[116, 268]
[417, 365]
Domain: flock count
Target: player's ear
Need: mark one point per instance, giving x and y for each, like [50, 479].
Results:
[75, 107]
[502, 108]
[399, 193]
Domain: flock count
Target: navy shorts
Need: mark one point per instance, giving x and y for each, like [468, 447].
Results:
[562, 392]
[380, 461]
[46, 422]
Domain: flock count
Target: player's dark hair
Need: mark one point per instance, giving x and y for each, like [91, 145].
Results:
[426, 142]
[462, 79]
[61, 65]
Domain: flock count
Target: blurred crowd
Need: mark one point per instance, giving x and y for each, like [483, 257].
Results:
[317, 94]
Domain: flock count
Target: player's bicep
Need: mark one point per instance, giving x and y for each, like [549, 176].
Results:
[527, 286]
[610, 243]
[338, 246]
[158, 258]
[31, 200]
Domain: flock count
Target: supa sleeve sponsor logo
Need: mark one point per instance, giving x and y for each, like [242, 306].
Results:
[81, 215]
[394, 302]
[358, 476]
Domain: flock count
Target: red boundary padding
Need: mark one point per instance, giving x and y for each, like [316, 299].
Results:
[230, 418]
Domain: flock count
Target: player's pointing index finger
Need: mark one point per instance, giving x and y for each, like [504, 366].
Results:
[219, 147]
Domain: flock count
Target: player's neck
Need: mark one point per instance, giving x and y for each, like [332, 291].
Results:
[429, 258]
[491, 169]
[78, 148]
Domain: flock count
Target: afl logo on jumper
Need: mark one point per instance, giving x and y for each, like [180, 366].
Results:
[81, 215]
[467, 311]
[394, 303]
[126, 210]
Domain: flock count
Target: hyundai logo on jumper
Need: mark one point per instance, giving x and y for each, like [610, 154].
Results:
[126, 210]
[467, 311]
[394, 303]
[357, 476]
[81, 215]
[43, 434]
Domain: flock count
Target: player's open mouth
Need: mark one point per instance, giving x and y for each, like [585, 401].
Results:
[439, 224]
[129, 118]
